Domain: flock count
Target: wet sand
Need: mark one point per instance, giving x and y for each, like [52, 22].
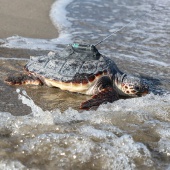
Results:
[28, 18]
[43, 96]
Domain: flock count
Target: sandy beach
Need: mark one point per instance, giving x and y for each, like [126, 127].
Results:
[28, 18]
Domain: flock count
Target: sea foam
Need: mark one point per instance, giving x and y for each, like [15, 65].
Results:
[103, 136]
[58, 15]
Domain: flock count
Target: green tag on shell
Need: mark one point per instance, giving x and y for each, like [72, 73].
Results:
[75, 45]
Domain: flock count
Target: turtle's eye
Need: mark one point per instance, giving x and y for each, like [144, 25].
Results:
[137, 88]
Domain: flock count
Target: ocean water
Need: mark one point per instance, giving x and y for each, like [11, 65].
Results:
[42, 128]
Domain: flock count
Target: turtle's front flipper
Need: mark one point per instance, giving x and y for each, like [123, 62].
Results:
[106, 95]
[23, 79]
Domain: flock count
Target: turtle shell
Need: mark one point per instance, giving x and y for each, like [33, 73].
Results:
[71, 66]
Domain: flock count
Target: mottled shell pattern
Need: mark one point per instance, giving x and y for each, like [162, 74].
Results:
[71, 66]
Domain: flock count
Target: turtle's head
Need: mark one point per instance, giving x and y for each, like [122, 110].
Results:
[128, 85]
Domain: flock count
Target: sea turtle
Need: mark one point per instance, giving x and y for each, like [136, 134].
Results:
[82, 69]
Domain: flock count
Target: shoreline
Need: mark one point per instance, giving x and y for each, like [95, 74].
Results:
[26, 18]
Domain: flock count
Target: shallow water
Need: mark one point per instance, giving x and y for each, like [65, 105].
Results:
[128, 134]
[42, 128]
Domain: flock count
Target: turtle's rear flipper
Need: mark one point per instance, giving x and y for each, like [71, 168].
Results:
[23, 79]
[106, 95]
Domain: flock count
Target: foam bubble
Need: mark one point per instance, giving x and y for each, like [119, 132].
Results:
[164, 146]
[11, 165]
